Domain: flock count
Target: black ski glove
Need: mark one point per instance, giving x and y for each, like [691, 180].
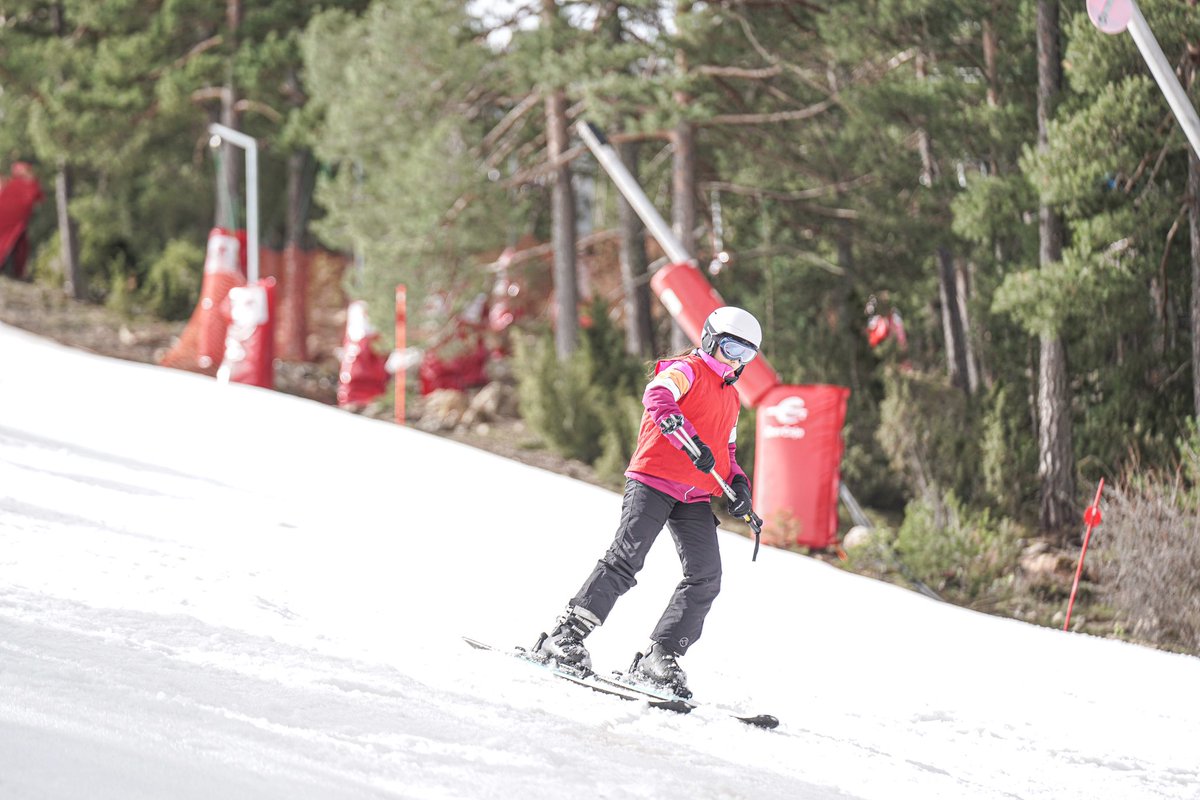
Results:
[740, 506]
[704, 460]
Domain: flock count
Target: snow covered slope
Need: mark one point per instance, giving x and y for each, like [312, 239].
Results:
[217, 591]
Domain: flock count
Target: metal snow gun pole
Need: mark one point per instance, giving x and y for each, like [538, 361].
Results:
[1113, 17]
[632, 192]
[751, 518]
[250, 146]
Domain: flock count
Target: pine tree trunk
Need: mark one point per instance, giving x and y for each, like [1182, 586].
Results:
[845, 288]
[1056, 460]
[683, 205]
[639, 331]
[952, 329]
[227, 180]
[1193, 192]
[562, 214]
[294, 288]
[68, 233]
[562, 233]
[952, 321]
[1193, 209]
[990, 71]
[683, 177]
[962, 293]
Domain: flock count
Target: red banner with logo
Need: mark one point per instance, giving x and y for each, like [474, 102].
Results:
[797, 463]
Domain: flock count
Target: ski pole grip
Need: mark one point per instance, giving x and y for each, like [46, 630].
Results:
[671, 423]
[691, 447]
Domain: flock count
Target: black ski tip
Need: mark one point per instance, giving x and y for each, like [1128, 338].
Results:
[761, 721]
[678, 706]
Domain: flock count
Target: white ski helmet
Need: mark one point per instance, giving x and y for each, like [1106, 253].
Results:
[730, 321]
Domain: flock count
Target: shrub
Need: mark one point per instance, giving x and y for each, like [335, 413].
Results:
[937, 452]
[966, 555]
[1008, 452]
[45, 264]
[173, 281]
[866, 468]
[1149, 551]
[121, 287]
[556, 400]
[586, 407]
[621, 421]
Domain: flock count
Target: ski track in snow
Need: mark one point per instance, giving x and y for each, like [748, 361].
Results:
[230, 704]
[214, 591]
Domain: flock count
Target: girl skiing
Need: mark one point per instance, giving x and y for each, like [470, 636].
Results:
[668, 485]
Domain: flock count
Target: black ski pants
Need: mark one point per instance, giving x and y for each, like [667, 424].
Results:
[644, 512]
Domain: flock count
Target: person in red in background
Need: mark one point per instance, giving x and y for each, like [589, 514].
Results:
[18, 195]
[880, 325]
[666, 485]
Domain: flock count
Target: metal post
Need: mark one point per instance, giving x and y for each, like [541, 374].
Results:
[1116, 16]
[633, 193]
[1161, 69]
[250, 146]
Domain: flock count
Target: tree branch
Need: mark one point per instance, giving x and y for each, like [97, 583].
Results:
[771, 58]
[740, 72]
[258, 107]
[202, 47]
[510, 119]
[804, 194]
[775, 116]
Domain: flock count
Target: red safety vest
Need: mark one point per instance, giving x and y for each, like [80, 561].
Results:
[711, 405]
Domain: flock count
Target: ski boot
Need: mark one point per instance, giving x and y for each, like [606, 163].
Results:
[659, 669]
[564, 644]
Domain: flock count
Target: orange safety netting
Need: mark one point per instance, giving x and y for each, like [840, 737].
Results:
[202, 345]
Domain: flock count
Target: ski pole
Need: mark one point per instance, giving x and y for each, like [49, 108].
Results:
[750, 517]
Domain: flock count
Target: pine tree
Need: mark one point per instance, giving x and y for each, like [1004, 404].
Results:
[403, 95]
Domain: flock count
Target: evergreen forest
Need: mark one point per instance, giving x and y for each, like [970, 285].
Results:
[1000, 183]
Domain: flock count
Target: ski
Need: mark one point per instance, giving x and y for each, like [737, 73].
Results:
[587, 678]
[618, 688]
[766, 721]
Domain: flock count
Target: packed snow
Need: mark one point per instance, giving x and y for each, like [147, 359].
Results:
[219, 591]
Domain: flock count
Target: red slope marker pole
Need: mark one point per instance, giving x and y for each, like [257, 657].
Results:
[401, 343]
[1091, 518]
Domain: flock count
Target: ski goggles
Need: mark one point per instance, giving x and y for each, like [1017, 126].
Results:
[736, 350]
